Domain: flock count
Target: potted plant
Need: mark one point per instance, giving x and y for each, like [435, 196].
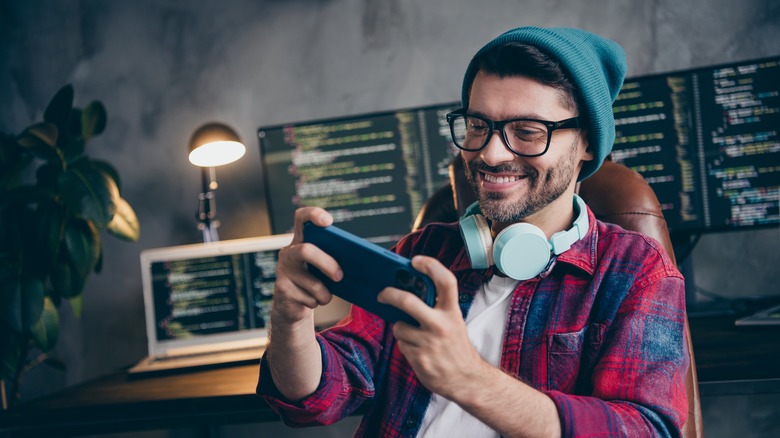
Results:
[54, 203]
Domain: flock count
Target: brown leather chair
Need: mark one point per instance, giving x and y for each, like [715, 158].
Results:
[616, 194]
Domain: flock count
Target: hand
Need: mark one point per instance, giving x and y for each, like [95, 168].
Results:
[297, 293]
[439, 350]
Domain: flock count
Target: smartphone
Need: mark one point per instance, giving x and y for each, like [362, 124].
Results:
[368, 269]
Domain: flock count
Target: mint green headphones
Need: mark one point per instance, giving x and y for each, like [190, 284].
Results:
[521, 251]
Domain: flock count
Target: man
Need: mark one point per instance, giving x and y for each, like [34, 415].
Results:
[590, 343]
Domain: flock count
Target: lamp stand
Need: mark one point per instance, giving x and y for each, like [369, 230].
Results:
[207, 205]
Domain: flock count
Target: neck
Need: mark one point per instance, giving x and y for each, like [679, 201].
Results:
[557, 216]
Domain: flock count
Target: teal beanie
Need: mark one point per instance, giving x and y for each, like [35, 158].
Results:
[595, 65]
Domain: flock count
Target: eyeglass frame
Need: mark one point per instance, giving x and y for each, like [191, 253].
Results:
[571, 123]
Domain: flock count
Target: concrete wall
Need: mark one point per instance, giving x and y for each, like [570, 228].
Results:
[162, 68]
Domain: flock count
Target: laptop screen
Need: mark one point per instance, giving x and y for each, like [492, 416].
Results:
[209, 293]
[218, 294]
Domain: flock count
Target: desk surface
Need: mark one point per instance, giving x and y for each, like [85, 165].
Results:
[114, 403]
[724, 352]
[120, 403]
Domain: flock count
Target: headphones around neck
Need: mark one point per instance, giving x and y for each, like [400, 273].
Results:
[521, 251]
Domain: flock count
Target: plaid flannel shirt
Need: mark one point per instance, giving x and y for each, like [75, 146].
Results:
[601, 333]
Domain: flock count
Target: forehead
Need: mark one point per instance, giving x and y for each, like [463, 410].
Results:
[516, 96]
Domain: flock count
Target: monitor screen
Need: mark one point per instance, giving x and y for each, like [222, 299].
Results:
[372, 172]
[200, 296]
[708, 141]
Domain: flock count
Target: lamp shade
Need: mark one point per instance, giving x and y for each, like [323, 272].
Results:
[215, 144]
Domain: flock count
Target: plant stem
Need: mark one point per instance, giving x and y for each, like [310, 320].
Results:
[3, 395]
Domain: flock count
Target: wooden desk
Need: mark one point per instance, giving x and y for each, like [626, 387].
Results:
[119, 403]
[735, 360]
[742, 357]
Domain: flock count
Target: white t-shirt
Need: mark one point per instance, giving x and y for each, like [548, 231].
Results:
[485, 323]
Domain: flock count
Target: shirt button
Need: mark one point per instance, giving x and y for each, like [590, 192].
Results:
[411, 422]
[463, 297]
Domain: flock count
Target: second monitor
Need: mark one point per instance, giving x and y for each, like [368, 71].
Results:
[372, 172]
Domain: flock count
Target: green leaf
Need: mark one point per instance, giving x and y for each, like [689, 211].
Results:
[72, 148]
[76, 305]
[22, 302]
[55, 363]
[82, 242]
[47, 174]
[89, 193]
[125, 223]
[74, 128]
[77, 258]
[51, 231]
[11, 349]
[26, 194]
[99, 263]
[12, 303]
[61, 278]
[93, 120]
[41, 141]
[13, 169]
[47, 330]
[58, 110]
[33, 294]
[109, 170]
[38, 133]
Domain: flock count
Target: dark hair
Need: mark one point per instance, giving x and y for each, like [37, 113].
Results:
[521, 59]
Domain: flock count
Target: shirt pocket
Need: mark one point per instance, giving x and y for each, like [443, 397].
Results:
[571, 356]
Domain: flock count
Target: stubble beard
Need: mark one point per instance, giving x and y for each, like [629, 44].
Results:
[542, 189]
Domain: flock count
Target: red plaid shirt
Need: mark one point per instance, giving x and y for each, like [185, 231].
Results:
[601, 333]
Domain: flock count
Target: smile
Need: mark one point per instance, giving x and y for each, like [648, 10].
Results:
[499, 179]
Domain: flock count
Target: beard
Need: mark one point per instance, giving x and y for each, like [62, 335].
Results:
[543, 188]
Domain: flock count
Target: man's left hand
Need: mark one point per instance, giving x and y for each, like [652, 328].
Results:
[439, 350]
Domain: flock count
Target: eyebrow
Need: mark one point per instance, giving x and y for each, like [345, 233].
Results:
[524, 116]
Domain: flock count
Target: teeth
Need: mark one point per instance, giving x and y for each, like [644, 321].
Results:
[500, 179]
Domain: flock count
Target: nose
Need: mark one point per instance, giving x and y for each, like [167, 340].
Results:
[496, 151]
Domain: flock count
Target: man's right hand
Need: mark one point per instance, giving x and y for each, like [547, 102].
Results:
[294, 356]
[297, 293]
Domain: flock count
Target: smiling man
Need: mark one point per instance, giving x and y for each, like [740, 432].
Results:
[579, 335]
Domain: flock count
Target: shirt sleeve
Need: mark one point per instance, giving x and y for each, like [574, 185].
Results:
[638, 386]
[349, 354]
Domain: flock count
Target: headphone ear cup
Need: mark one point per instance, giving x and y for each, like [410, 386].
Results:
[521, 251]
[476, 235]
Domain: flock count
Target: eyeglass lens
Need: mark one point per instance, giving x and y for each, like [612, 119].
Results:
[526, 137]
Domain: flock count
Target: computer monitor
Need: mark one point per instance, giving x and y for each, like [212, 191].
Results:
[706, 139]
[708, 142]
[373, 172]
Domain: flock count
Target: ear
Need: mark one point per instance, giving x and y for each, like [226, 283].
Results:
[586, 150]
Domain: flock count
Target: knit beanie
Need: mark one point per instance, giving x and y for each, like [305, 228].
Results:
[595, 65]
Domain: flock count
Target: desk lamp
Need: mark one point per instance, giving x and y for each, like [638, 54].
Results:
[211, 145]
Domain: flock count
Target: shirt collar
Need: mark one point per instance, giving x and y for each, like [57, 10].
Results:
[582, 253]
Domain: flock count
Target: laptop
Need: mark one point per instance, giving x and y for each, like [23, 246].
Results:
[208, 304]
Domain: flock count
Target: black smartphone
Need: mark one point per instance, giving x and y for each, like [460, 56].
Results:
[368, 269]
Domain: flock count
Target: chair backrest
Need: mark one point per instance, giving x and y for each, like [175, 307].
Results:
[615, 194]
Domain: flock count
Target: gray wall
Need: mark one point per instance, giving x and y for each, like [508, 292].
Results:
[162, 68]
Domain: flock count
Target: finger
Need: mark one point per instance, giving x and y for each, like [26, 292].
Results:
[407, 334]
[316, 215]
[288, 291]
[293, 262]
[408, 302]
[443, 279]
[312, 255]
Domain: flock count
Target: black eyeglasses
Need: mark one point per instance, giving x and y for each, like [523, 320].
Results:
[524, 137]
